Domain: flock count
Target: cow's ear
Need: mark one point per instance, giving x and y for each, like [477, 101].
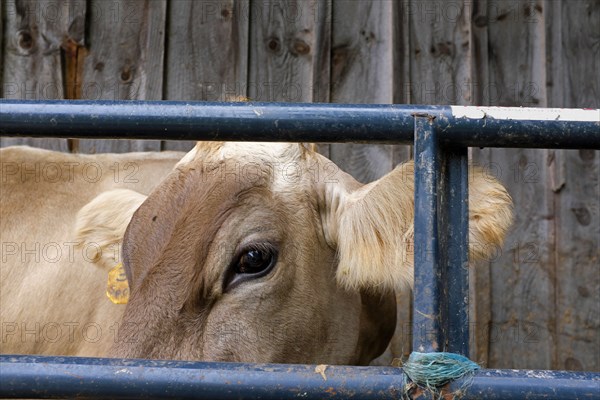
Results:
[372, 226]
[100, 225]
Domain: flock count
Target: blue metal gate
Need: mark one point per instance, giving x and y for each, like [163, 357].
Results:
[441, 136]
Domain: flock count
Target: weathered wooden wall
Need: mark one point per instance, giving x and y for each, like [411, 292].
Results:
[535, 305]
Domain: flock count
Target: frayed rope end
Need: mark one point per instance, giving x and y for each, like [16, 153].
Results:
[432, 370]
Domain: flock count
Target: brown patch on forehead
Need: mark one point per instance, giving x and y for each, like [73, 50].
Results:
[174, 229]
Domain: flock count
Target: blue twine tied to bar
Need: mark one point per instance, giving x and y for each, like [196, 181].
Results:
[432, 370]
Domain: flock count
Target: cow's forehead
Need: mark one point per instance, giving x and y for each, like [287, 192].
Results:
[263, 151]
[246, 151]
[282, 166]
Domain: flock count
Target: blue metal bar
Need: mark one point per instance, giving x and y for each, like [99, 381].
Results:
[441, 135]
[429, 301]
[64, 377]
[441, 287]
[454, 215]
[477, 126]
[528, 384]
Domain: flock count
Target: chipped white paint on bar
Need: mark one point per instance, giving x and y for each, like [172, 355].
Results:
[527, 113]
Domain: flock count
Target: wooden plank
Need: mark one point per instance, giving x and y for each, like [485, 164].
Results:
[2, 54]
[574, 82]
[124, 61]
[36, 31]
[401, 55]
[361, 71]
[291, 55]
[480, 274]
[402, 153]
[432, 42]
[207, 53]
[441, 52]
[523, 274]
[577, 179]
[290, 58]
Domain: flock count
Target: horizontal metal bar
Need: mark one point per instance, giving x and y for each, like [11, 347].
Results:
[462, 126]
[46, 377]
[530, 384]
[61, 377]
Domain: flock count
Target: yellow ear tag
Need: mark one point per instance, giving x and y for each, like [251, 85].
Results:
[117, 288]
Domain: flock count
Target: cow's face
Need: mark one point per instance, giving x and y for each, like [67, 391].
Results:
[269, 253]
[227, 260]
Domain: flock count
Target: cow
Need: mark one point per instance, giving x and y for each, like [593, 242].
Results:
[245, 252]
[53, 288]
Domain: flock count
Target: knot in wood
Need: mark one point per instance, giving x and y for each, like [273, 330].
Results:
[126, 74]
[443, 49]
[25, 41]
[582, 214]
[587, 154]
[300, 47]
[368, 36]
[274, 44]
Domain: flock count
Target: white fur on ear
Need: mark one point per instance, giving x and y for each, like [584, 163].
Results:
[375, 233]
[372, 227]
[490, 214]
[101, 224]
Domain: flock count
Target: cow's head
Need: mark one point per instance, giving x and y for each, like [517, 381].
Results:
[269, 253]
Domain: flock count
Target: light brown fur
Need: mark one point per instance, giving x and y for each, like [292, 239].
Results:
[53, 303]
[103, 221]
[373, 226]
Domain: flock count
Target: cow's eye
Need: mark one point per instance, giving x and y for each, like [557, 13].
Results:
[254, 261]
[251, 263]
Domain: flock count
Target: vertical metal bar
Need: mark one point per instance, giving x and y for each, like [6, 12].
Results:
[429, 300]
[454, 207]
[441, 291]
